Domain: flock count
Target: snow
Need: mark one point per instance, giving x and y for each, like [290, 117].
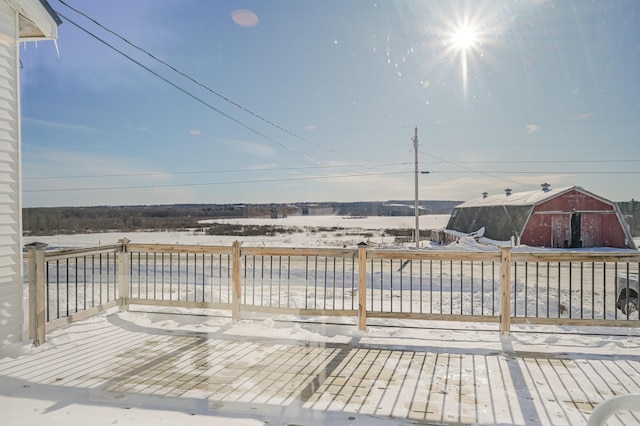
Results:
[394, 373]
[367, 222]
[314, 231]
[526, 198]
[93, 371]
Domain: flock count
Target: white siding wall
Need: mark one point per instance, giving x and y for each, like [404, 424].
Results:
[10, 241]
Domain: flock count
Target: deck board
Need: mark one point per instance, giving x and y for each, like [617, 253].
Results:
[242, 371]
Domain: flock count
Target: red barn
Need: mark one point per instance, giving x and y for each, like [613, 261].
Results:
[558, 218]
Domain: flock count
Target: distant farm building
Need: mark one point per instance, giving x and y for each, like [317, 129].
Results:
[556, 218]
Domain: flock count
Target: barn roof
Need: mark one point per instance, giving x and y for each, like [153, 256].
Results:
[528, 198]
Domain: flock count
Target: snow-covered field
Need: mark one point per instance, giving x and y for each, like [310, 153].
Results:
[542, 375]
[314, 231]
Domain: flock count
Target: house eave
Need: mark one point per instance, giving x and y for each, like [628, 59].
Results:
[37, 20]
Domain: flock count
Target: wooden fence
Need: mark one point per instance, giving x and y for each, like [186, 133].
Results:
[546, 287]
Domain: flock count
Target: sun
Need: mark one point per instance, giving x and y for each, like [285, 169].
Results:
[464, 40]
[465, 37]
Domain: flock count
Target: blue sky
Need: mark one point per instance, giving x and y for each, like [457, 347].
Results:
[290, 101]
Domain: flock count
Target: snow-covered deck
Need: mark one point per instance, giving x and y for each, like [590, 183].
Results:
[146, 368]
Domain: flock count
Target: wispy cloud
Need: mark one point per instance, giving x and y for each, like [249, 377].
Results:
[263, 166]
[532, 128]
[335, 163]
[98, 179]
[59, 125]
[48, 162]
[195, 132]
[584, 116]
[256, 149]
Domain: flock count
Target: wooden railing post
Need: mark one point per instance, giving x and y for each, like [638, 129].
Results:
[237, 285]
[362, 286]
[505, 288]
[124, 286]
[37, 296]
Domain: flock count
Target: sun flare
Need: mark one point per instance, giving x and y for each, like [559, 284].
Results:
[465, 37]
[465, 34]
[465, 41]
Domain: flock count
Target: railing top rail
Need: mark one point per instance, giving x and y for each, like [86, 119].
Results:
[293, 251]
[374, 253]
[79, 252]
[434, 255]
[178, 248]
[517, 255]
[576, 256]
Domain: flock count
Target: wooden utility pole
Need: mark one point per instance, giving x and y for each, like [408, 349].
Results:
[417, 204]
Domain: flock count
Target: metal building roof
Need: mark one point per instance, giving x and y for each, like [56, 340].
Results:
[528, 198]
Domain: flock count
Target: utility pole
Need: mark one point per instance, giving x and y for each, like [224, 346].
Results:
[417, 205]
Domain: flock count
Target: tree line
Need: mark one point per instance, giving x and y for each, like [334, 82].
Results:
[80, 220]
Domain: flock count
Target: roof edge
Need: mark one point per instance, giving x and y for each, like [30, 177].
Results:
[51, 11]
[527, 198]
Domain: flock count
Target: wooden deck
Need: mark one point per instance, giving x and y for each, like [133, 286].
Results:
[288, 373]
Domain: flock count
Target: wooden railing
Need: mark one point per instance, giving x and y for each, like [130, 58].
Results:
[561, 288]
[69, 285]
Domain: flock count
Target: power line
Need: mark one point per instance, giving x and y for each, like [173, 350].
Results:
[221, 96]
[343, 166]
[555, 172]
[491, 173]
[550, 162]
[210, 171]
[213, 183]
[191, 95]
[470, 170]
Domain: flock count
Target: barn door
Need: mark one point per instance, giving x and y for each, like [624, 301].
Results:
[576, 231]
[560, 231]
[591, 231]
